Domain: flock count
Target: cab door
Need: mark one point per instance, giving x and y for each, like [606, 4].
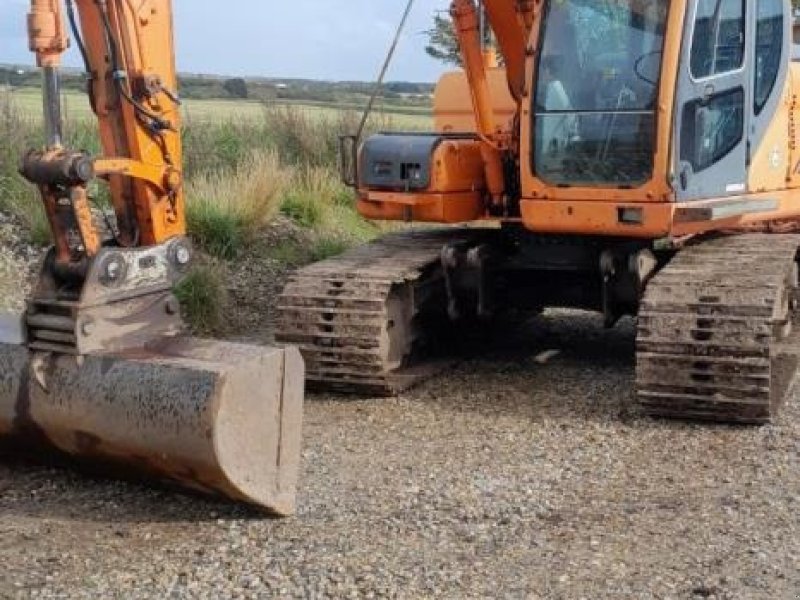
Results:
[713, 94]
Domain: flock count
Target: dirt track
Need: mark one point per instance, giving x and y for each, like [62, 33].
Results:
[504, 477]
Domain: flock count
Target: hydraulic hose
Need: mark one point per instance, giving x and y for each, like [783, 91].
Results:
[73, 24]
[120, 75]
[379, 83]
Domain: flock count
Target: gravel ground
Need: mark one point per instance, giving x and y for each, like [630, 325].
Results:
[256, 278]
[17, 264]
[502, 478]
[507, 476]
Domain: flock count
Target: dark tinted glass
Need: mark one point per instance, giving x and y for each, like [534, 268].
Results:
[596, 91]
[718, 39]
[769, 45]
[712, 128]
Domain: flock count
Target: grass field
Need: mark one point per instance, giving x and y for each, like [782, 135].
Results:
[76, 107]
[245, 163]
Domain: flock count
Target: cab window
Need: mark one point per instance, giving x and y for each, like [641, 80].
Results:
[597, 86]
[712, 128]
[718, 38]
[769, 47]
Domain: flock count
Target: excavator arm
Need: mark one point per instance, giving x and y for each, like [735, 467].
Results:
[118, 281]
[511, 22]
[103, 371]
[127, 49]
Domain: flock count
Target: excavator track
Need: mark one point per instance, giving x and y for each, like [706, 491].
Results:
[715, 339]
[356, 317]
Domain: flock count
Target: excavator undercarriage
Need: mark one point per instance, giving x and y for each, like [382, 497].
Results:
[359, 318]
[715, 318]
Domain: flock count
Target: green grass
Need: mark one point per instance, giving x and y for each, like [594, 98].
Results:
[76, 108]
[327, 247]
[288, 252]
[226, 209]
[243, 163]
[203, 298]
[302, 208]
[18, 132]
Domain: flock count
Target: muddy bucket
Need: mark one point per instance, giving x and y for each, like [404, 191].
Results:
[212, 416]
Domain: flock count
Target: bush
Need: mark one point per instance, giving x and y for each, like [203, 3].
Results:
[236, 87]
[203, 299]
[226, 208]
[328, 247]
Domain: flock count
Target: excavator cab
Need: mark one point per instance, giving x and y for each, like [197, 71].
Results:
[613, 118]
[666, 107]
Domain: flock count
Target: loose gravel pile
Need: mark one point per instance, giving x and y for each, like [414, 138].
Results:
[506, 477]
[17, 262]
[256, 278]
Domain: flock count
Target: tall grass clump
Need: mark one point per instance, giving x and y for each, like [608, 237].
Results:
[300, 171]
[203, 298]
[303, 136]
[317, 200]
[213, 146]
[305, 139]
[226, 208]
[17, 133]
[20, 132]
[309, 195]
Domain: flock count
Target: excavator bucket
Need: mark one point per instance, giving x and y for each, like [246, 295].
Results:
[212, 416]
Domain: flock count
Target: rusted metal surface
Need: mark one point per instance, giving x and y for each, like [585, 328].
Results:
[212, 416]
[715, 336]
[125, 301]
[355, 317]
[106, 328]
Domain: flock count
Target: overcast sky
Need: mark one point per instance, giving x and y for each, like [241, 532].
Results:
[318, 39]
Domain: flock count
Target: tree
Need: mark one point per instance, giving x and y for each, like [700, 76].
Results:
[442, 42]
[236, 87]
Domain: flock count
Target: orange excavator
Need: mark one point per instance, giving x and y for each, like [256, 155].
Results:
[631, 157]
[98, 368]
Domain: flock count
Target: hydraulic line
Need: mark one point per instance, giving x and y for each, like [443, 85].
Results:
[73, 24]
[379, 83]
[119, 74]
